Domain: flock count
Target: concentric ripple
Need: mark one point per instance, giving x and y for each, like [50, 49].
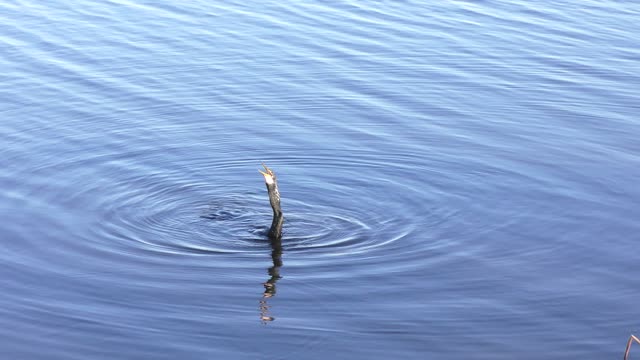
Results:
[326, 215]
[182, 219]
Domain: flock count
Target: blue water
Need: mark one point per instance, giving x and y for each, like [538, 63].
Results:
[459, 179]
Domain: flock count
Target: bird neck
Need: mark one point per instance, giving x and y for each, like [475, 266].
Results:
[275, 232]
[274, 198]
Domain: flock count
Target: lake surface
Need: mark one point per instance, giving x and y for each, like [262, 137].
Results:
[459, 179]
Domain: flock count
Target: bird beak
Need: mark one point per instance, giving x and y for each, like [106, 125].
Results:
[268, 173]
[269, 176]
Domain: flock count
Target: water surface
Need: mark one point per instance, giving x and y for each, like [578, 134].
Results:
[459, 180]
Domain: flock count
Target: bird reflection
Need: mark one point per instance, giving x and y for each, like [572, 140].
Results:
[270, 284]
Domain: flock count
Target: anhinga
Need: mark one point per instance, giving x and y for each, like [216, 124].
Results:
[275, 232]
[275, 235]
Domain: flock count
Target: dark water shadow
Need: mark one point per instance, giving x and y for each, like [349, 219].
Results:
[270, 288]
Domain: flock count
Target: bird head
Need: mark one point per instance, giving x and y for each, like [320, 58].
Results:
[269, 175]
